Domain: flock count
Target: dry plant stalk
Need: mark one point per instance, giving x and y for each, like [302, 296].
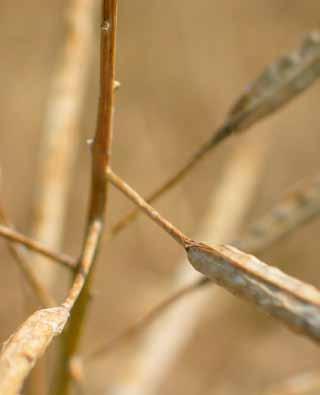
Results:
[101, 150]
[301, 205]
[45, 324]
[287, 299]
[60, 132]
[276, 86]
[58, 147]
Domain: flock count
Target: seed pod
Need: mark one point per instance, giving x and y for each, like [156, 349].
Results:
[291, 301]
[278, 84]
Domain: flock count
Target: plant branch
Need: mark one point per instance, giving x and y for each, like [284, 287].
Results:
[42, 294]
[276, 86]
[287, 299]
[100, 151]
[79, 293]
[17, 237]
[58, 148]
[298, 207]
[174, 232]
[230, 200]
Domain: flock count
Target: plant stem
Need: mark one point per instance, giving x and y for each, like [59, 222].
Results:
[79, 293]
[40, 291]
[17, 237]
[207, 147]
[174, 232]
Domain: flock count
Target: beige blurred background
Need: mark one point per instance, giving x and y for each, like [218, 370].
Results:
[181, 64]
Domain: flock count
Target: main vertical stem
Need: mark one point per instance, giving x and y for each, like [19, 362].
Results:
[79, 293]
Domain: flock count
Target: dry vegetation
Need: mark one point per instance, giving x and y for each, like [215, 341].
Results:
[144, 321]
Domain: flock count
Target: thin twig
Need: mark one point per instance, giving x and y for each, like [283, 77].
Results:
[147, 208]
[42, 294]
[17, 237]
[101, 150]
[276, 86]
